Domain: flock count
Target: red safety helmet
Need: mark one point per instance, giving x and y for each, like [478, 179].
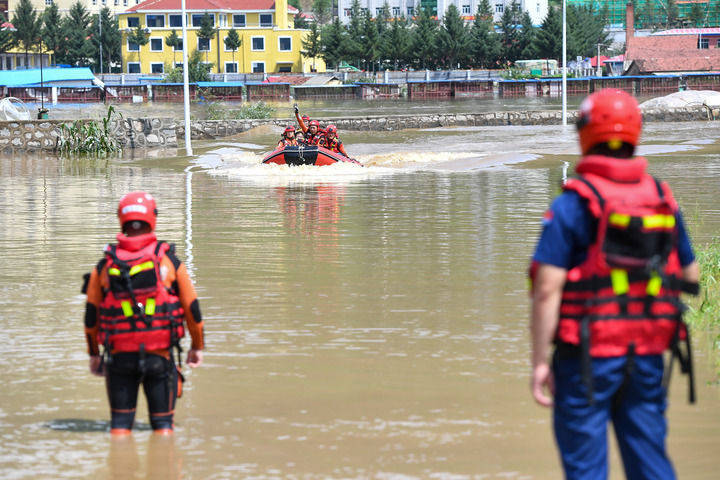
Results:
[609, 115]
[137, 206]
[331, 129]
[315, 123]
[288, 129]
[305, 118]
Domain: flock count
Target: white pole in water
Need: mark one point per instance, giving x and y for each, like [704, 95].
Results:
[564, 65]
[186, 82]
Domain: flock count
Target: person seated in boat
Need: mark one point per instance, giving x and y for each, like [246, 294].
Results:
[331, 141]
[300, 138]
[310, 128]
[288, 138]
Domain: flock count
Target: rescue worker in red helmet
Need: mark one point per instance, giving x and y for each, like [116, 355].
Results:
[310, 128]
[331, 141]
[607, 273]
[288, 138]
[138, 296]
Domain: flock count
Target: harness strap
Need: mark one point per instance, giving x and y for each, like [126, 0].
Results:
[671, 282]
[595, 191]
[627, 375]
[586, 360]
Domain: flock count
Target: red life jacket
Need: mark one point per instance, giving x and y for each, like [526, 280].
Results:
[313, 139]
[138, 310]
[627, 290]
[287, 143]
[332, 145]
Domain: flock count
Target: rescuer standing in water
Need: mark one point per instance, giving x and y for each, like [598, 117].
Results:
[607, 273]
[137, 298]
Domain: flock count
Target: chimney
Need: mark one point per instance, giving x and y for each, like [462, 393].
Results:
[629, 24]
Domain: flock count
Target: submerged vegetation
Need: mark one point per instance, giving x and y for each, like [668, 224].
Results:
[88, 137]
[259, 110]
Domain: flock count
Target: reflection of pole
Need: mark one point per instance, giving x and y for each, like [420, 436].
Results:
[188, 220]
[186, 82]
[564, 66]
[566, 165]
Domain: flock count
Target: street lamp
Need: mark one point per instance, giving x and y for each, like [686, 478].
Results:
[599, 67]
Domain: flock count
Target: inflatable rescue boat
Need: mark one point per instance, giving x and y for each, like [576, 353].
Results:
[307, 155]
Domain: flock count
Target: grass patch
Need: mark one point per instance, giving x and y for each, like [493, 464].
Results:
[255, 111]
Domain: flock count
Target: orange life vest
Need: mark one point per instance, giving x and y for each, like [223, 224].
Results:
[138, 310]
[332, 145]
[625, 295]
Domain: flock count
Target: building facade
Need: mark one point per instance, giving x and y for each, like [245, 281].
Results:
[617, 9]
[537, 9]
[270, 42]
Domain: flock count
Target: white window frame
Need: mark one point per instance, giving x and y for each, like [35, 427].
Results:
[285, 64]
[209, 44]
[378, 11]
[466, 9]
[125, 3]
[244, 24]
[237, 67]
[499, 8]
[252, 43]
[157, 15]
[396, 11]
[252, 66]
[174, 15]
[222, 20]
[410, 11]
[162, 43]
[132, 49]
[162, 66]
[48, 2]
[281, 50]
[272, 20]
[133, 63]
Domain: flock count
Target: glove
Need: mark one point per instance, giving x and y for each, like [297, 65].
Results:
[297, 110]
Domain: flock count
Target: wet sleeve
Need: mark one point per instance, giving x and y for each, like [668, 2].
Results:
[92, 325]
[567, 231]
[303, 127]
[685, 250]
[191, 307]
[341, 149]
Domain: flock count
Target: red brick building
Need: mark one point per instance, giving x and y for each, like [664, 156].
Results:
[678, 50]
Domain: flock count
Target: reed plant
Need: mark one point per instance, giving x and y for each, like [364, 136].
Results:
[88, 137]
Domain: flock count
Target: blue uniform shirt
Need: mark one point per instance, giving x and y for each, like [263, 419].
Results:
[569, 228]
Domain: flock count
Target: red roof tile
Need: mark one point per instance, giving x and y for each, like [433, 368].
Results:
[671, 54]
[209, 5]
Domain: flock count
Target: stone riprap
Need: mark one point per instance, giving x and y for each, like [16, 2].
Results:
[133, 133]
[34, 135]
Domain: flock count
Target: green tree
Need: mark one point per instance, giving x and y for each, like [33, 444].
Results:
[697, 15]
[141, 37]
[548, 39]
[7, 39]
[485, 45]
[76, 26]
[28, 27]
[453, 39]
[673, 14]
[173, 41]
[198, 71]
[52, 30]
[423, 38]
[585, 30]
[232, 42]
[111, 38]
[299, 19]
[382, 19]
[332, 41]
[396, 43]
[312, 44]
[322, 10]
[371, 42]
[649, 15]
[526, 39]
[207, 30]
[510, 36]
[353, 45]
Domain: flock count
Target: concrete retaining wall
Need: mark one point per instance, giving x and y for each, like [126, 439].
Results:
[34, 135]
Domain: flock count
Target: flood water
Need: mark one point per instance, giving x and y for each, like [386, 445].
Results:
[360, 322]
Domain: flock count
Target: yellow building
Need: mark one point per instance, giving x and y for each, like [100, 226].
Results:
[270, 41]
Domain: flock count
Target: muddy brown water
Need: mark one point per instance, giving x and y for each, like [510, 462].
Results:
[360, 323]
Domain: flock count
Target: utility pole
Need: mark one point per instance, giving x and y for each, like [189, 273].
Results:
[599, 68]
[101, 42]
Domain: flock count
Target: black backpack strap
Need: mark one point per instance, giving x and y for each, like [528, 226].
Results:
[158, 246]
[658, 185]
